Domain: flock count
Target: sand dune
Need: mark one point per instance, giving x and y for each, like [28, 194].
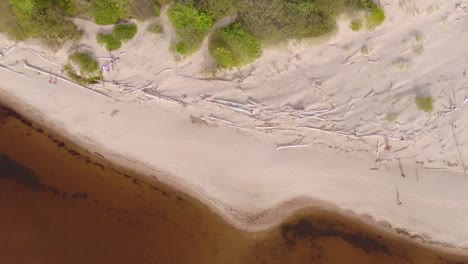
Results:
[330, 124]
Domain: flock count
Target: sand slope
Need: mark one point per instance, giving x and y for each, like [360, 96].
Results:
[305, 121]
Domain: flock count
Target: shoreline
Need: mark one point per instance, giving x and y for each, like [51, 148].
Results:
[290, 127]
[253, 223]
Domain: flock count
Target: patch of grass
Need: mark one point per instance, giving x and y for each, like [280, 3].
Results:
[109, 41]
[232, 46]
[155, 27]
[85, 62]
[375, 17]
[108, 12]
[83, 68]
[425, 103]
[402, 64]
[191, 26]
[124, 32]
[418, 48]
[356, 24]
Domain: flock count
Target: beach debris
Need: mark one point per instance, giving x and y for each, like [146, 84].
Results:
[402, 173]
[291, 145]
[398, 196]
[462, 160]
[417, 174]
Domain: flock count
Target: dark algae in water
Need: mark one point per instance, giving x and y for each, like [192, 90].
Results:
[61, 204]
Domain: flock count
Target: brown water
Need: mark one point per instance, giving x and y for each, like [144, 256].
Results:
[60, 204]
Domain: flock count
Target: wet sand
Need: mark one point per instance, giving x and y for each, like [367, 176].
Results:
[61, 204]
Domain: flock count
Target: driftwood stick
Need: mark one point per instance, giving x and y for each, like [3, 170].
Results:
[398, 196]
[459, 151]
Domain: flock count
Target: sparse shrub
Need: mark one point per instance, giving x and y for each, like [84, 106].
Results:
[109, 41]
[145, 9]
[232, 46]
[366, 49]
[375, 17]
[402, 64]
[418, 36]
[418, 48]
[124, 32]
[155, 28]
[108, 12]
[356, 25]
[191, 26]
[425, 103]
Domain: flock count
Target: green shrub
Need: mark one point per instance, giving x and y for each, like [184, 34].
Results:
[109, 41]
[85, 69]
[425, 103]
[356, 25]
[232, 46]
[375, 17]
[191, 26]
[124, 32]
[108, 12]
[217, 8]
[41, 19]
[85, 62]
[155, 27]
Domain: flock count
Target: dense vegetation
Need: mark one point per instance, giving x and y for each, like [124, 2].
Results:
[120, 33]
[83, 68]
[191, 25]
[44, 19]
[232, 46]
[260, 21]
[50, 21]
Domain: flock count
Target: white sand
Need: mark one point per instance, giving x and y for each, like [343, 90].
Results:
[304, 121]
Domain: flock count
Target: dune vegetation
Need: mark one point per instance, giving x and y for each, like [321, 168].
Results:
[256, 23]
[259, 23]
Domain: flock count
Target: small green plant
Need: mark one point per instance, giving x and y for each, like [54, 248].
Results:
[109, 41]
[425, 103]
[155, 27]
[108, 12]
[391, 117]
[375, 17]
[124, 32]
[232, 46]
[356, 24]
[191, 26]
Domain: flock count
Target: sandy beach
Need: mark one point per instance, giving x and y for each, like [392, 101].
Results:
[332, 124]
